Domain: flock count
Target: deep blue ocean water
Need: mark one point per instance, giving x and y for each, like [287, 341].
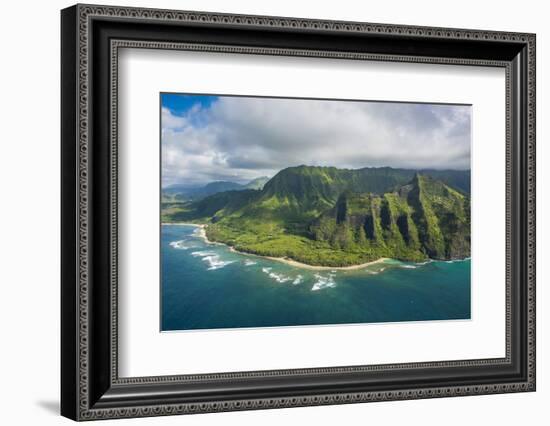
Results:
[207, 286]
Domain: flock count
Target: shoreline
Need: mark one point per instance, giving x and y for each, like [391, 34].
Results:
[295, 263]
[292, 262]
[202, 232]
[285, 260]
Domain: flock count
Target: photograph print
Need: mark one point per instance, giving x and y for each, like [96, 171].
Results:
[283, 212]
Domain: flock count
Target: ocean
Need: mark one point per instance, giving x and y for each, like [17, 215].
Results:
[208, 286]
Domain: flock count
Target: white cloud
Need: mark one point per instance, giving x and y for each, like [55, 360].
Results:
[242, 138]
[171, 121]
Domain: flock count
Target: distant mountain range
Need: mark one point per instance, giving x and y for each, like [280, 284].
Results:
[180, 192]
[338, 217]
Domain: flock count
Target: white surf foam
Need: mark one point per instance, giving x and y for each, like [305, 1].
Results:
[214, 262]
[203, 253]
[280, 278]
[408, 266]
[249, 262]
[323, 281]
[181, 245]
[458, 260]
[213, 259]
[298, 280]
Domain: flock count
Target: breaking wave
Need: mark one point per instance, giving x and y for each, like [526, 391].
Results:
[458, 260]
[323, 281]
[203, 253]
[280, 278]
[298, 280]
[248, 262]
[181, 245]
[212, 259]
[408, 266]
[214, 262]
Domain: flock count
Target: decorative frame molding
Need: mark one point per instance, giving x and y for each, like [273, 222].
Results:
[91, 37]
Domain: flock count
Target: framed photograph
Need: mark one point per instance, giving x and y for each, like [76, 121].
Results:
[263, 212]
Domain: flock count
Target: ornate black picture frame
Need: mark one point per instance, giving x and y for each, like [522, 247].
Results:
[90, 38]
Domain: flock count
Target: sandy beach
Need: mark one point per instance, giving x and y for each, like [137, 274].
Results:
[292, 262]
[183, 223]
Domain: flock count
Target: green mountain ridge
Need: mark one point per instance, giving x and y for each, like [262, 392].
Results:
[422, 218]
[339, 217]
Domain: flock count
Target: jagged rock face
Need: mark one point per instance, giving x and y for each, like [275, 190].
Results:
[308, 188]
[424, 218]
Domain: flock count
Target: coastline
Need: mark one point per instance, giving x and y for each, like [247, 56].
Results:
[201, 226]
[292, 262]
[285, 260]
[295, 263]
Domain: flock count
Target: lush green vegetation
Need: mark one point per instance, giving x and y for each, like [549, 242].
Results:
[334, 217]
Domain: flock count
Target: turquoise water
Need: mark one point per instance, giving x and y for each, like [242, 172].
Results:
[207, 286]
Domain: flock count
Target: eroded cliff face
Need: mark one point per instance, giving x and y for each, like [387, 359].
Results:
[424, 218]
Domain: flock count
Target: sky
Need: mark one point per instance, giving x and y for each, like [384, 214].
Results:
[211, 138]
